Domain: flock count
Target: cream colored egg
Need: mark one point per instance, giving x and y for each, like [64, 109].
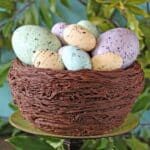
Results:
[78, 36]
[107, 62]
[47, 59]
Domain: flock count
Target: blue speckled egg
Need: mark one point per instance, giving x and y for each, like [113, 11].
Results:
[28, 39]
[74, 58]
[89, 26]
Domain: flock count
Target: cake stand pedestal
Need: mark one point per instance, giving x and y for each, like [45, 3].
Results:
[71, 142]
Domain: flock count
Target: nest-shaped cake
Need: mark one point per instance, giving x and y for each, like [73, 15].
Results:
[75, 103]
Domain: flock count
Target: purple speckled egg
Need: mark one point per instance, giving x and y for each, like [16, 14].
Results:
[120, 41]
[58, 29]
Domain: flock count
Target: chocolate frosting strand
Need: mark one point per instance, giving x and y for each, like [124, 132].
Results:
[75, 103]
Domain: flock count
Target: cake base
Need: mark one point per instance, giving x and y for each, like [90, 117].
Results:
[75, 103]
[17, 120]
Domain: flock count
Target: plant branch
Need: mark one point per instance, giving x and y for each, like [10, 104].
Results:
[84, 2]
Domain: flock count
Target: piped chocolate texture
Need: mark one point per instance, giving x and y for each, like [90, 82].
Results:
[75, 103]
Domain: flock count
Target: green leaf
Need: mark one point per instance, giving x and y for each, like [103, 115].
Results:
[91, 144]
[54, 142]
[107, 11]
[145, 134]
[65, 3]
[3, 15]
[136, 2]
[145, 27]
[136, 144]
[147, 56]
[23, 142]
[9, 5]
[92, 5]
[145, 61]
[142, 103]
[1, 44]
[142, 44]
[7, 43]
[35, 14]
[87, 145]
[103, 1]
[16, 132]
[2, 123]
[103, 143]
[46, 14]
[54, 8]
[147, 73]
[7, 29]
[136, 10]
[53, 5]
[104, 24]
[3, 72]
[99, 144]
[133, 24]
[120, 6]
[111, 144]
[5, 128]
[13, 106]
[30, 16]
[120, 143]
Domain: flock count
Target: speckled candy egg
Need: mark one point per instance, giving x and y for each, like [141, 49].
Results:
[74, 58]
[78, 36]
[89, 26]
[60, 51]
[29, 38]
[47, 59]
[120, 41]
[107, 62]
[58, 29]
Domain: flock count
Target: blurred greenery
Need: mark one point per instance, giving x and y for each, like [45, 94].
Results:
[106, 14]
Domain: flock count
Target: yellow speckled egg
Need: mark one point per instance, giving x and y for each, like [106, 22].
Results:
[78, 36]
[107, 62]
[47, 59]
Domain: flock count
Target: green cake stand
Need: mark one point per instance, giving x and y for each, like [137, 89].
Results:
[71, 142]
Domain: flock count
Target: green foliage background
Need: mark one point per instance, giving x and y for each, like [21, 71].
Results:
[106, 14]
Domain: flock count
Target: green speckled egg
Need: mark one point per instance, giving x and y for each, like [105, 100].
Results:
[89, 26]
[28, 39]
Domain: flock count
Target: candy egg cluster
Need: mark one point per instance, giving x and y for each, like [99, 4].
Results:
[75, 47]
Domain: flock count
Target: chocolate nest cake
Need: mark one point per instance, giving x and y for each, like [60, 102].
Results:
[75, 103]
